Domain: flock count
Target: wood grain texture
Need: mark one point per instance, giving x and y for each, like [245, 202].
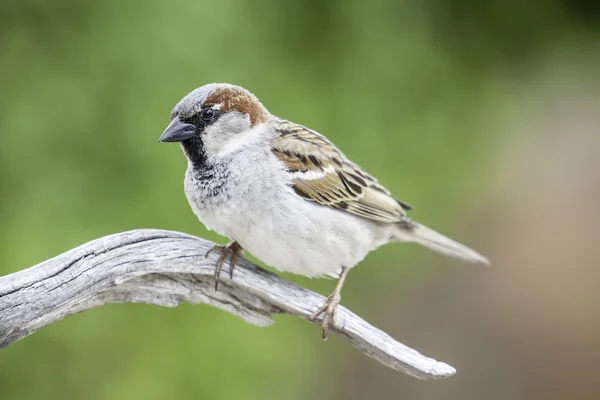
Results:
[166, 268]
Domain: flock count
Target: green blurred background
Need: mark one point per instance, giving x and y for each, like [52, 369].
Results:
[481, 114]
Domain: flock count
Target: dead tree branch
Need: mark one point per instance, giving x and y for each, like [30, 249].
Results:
[166, 268]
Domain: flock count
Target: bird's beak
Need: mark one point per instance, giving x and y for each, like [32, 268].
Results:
[178, 131]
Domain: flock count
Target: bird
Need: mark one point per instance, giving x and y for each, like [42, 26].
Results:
[285, 193]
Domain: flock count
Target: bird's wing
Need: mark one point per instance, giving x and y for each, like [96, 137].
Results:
[321, 173]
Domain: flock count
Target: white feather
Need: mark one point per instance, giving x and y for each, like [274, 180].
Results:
[312, 174]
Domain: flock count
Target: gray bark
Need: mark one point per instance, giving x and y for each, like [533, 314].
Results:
[166, 268]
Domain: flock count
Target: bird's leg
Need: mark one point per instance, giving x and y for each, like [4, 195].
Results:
[232, 250]
[331, 305]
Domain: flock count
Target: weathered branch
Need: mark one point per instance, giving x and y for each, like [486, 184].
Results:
[165, 268]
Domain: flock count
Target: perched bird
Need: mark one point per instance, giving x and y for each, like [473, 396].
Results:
[285, 193]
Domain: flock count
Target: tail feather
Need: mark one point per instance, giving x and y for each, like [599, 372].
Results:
[415, 232]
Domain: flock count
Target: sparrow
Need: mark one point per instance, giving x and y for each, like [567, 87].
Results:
[285, 193]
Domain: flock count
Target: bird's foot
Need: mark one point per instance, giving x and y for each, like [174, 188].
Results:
[330, 306]
[232, 250]
[328, 310]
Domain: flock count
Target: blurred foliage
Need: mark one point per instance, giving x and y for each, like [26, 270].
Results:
[409, 90]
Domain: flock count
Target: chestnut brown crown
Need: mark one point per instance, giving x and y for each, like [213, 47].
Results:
[223, 97]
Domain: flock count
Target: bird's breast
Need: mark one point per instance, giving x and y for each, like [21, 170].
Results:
[254, 205]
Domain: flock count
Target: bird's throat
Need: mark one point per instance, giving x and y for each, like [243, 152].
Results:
[194, 150]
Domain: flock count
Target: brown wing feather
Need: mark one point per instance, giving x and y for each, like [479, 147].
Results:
[322, 173]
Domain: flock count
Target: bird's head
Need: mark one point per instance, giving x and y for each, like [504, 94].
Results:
[211, 117]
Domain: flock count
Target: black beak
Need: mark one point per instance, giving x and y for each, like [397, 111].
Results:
[178, 131]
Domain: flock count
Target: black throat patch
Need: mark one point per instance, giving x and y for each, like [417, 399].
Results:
[194, 150]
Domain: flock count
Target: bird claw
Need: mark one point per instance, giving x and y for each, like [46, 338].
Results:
[232, 250]
[328, 309]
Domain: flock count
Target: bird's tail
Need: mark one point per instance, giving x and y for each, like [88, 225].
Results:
[411, 231]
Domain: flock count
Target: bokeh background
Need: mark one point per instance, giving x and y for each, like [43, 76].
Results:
[484, 115]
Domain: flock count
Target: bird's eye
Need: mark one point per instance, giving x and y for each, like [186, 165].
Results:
[207, 114]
